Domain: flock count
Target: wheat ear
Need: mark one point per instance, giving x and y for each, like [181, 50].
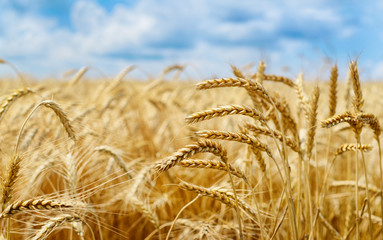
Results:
[347, 117]
[222, 196]
[312, 122]
[60, 114]
[120, 76]
[190, 150]
[78, 76]
[6, 103]
[10, 179]
[224, 111]
[261, 72]
[34, 204]
[358, 96]
[272, 133]
[281, 79]
[145, 211]
[333, 90]
[117, 158]
[238, 137]
[197, 163]
[54, 223]
[303, 100]
[237, 72]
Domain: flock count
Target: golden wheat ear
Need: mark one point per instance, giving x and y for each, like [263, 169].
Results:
[333, 90]
[9, 100]
[12, 175]
[55, 223]
[189, 151]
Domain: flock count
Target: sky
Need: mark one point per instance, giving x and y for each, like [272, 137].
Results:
[47, 38]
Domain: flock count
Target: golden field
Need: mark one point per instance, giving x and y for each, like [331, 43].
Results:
[250, 156]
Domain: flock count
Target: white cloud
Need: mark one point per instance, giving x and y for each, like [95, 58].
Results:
[210, 35]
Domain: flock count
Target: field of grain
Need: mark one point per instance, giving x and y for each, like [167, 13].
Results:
[248, 156]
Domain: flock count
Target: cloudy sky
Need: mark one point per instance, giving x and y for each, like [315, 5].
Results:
[47, 38]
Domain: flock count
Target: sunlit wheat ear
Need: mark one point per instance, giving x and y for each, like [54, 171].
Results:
[352, 148]
[71, 173]
[34, 204]
[212, 164]
[55, 223]
[8, 101]
[333, 90]
[222, 196]
[190, 150]
[18, 73]
[78, 76]
[231, 136]
[40, 169]
[346, 117]
[261, 72]
[232, 82]
[224, 111]
[351, 184]
[237, 72]
[358, 96]
[272, 133]
[60, 114]
[142, 208]
[117, 158]
[303, 100]
[280, 104]
[121, 76]
[371, 120]
[281, 79]
[12, 174]
[313, 112]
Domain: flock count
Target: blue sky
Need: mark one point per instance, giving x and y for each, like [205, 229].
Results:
[47, 38]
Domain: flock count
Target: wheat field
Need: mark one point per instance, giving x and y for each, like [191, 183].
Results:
[246, 156]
